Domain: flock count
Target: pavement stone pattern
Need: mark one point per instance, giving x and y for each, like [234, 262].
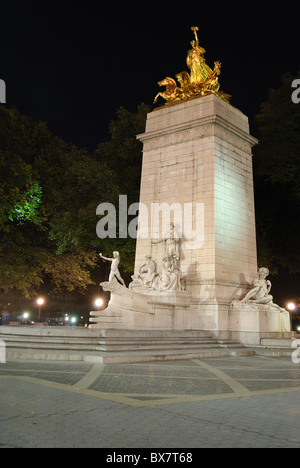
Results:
[236, 402]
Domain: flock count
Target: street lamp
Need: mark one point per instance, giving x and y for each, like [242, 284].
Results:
[99, 302]
[291, 306]
[25, 318]
[40, 301]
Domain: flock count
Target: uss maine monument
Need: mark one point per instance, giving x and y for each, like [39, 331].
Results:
[196, 154]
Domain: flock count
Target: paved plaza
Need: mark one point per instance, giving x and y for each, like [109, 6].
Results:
[246, 402]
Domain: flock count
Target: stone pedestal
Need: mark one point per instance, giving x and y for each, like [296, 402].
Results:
[199, 153]
[196, 174]
[251, 322]
[137, 311]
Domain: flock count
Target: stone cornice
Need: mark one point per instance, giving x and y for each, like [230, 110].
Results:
[211, 121]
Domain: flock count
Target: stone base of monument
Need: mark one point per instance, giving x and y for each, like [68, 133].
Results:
[163, 310]
[197, 158]
[176, 310]
[106, 346]
[256, 324]
[137, 311]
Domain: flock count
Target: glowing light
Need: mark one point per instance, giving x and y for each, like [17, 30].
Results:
[40, 301]
[291, 306]
[99, 302]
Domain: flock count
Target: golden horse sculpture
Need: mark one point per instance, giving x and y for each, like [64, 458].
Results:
[201, 82]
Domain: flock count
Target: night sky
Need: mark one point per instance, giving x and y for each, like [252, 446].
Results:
[72, 65]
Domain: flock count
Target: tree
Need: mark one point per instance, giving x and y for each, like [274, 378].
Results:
[20, 194]
[277, 179]
[49, 192]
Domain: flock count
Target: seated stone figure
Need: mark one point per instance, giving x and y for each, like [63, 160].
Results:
[148, 272]
[260, 292]
[261, 298]
[169, 279]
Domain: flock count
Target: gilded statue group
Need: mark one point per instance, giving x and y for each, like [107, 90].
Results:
[201, 81]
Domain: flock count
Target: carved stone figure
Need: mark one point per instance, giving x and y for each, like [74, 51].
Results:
[148, 272]
[171, 243]
[259, 297]
[114, 271]
[169, 279]
[260, 292]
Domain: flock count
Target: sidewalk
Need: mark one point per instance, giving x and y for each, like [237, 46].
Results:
[226, 402]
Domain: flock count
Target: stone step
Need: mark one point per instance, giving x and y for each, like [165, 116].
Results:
[137, 337]
[111, 345]
[103, 337]
[48, 331]
[55, 346]
[168, 344]
[137, 348]
[165, 346]
[33, 339]
[276, 343]
[116, 334]
[123, 358]
[47, 355]
[126, 358]
[114, 346]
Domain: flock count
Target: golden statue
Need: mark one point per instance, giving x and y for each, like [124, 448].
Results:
[201, 82]
[200, 71]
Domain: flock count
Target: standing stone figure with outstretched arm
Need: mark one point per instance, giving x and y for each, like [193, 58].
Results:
[114, 271]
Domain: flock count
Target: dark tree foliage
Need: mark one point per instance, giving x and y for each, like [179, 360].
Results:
[49, 193]
[45, 208]
[277, 179]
